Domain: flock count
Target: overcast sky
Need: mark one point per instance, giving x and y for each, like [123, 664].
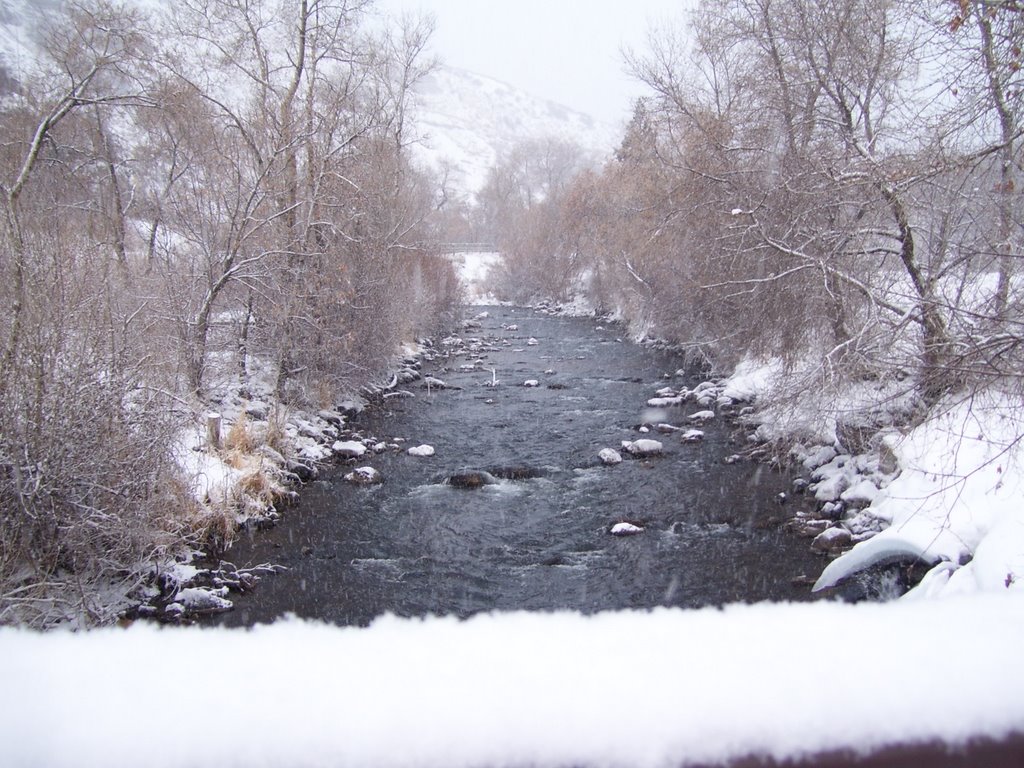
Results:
[568, 51]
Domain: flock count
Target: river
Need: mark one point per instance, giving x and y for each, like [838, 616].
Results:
[538, 539]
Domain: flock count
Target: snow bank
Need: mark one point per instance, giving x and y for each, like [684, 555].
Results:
[634, 688]
[799, 403]
[959, 497]
[210, 479]
[751, 379]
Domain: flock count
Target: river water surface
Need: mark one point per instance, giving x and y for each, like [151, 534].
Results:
[539, 538]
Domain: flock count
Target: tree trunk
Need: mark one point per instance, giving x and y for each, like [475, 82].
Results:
[936, 376]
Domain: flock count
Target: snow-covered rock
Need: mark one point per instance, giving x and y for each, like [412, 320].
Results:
[831, 488]
[702, 416]
[625, 529]
[364, 476]
[531, 383]
[692, 436]
[862, 492]
[814, 457]
[204, 600]
[751, 379]
[609, 456]
[643, 447]
[348, 449]
[421, 450]
[832, 540]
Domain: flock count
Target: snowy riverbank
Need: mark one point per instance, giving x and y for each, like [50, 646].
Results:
[947, 492]
[242, 473]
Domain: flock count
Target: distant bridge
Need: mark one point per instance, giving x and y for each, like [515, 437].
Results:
[468, 248]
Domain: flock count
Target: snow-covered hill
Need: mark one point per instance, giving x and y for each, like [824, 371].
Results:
[466, 120]
[20, 24]
[463, 120]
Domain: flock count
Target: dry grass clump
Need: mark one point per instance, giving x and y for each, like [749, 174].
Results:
[240, 436]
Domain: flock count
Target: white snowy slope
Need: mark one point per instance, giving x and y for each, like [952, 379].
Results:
[646, 689]
[466, 120]
[21, 22]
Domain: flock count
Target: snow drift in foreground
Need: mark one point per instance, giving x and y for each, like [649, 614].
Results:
[633, 688]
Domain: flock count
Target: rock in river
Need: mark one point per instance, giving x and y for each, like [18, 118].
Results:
[609, 456]
[832, 541]
[625, 529]
[348, 449]
[364, 476]
[643, 447]
[472, 478]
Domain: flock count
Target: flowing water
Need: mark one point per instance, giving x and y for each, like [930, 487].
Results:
[538, 538]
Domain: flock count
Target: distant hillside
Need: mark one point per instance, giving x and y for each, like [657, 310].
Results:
[463, 120]
[20, 24]
[466, 120]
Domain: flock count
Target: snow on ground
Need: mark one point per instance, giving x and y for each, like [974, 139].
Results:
[959, 498]
[468, 121]
[473, 269]
[655, 688]
[794, 403]
[956, 499]
[210, 478]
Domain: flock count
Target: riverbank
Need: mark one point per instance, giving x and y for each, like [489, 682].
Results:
[244, 464]
[943, 485]
[929, 502]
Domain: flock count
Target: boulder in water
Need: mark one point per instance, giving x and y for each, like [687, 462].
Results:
[471, 478]
[643, 447]
[364, 476]
[832, 541]
[348, 449]
[625, 529]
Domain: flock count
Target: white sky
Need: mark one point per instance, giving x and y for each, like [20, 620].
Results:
[568, 51]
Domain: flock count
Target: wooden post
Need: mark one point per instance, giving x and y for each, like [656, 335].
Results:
[213, 424]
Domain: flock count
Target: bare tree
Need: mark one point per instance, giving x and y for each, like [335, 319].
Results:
[86, 481]
[521, 205]
[233, 183]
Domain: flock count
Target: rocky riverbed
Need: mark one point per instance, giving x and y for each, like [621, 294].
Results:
[538, 463]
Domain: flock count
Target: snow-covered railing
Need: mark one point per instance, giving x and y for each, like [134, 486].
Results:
[659, 688]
